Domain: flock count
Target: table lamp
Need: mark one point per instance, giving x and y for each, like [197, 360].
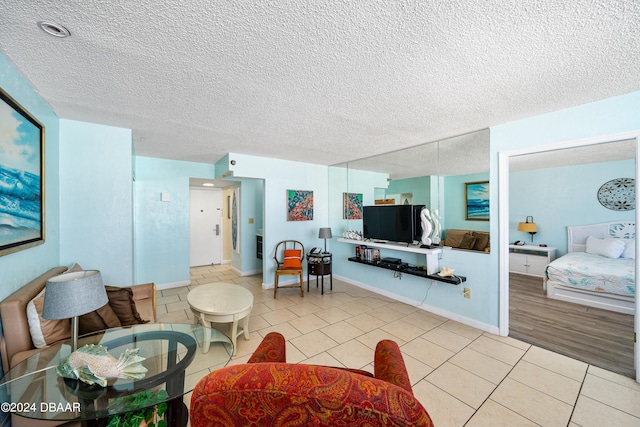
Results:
[325, 233]
[70, 295]
[528, 227]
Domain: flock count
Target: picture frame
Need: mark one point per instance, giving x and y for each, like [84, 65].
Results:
[476, 196]
[22, 219]
[299, 205]
[352, 205]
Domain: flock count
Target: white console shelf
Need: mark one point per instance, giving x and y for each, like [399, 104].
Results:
[432, 255]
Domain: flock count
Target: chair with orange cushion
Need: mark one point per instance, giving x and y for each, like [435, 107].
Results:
[288, 256]
[267, 391]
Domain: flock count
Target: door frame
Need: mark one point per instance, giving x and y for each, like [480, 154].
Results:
[503, 221]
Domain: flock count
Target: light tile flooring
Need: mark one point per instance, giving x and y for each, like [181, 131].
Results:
[462, 376]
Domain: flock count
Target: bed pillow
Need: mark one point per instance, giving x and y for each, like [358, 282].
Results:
[610, 248]
[629, 249]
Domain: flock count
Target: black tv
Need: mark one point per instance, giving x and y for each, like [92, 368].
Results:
[393, 223]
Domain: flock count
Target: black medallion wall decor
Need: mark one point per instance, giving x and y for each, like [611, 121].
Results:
[618, 194]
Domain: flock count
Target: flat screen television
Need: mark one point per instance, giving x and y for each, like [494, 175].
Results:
[394, 223]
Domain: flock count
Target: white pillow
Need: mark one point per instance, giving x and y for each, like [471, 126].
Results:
[43, 331]
[610, 248]
[629, 249]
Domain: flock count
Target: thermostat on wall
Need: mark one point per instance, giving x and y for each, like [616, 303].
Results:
[165, 197]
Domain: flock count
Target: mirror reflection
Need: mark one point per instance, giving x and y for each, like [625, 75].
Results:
[436, 175]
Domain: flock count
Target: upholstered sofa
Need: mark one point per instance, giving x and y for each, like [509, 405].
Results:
[467, 239]
[267, 391]
[17, 344]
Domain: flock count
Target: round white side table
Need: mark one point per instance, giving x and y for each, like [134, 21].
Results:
[221, 303]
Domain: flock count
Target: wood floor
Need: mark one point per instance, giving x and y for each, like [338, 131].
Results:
[599, 337]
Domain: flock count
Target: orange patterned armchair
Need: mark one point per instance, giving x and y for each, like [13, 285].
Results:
[267, 391]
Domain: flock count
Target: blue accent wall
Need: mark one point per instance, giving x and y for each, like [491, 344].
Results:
[21, 267]
[563, 196]
[162, 228]
[96, 200]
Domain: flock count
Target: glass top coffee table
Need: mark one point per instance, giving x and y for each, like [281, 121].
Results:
[34, 390]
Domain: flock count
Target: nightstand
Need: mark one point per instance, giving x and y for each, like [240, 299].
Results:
[529, 259]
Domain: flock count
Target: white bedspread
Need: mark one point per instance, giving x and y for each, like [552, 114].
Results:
[594, 273]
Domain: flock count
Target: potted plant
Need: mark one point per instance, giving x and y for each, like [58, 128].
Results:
[152, 404]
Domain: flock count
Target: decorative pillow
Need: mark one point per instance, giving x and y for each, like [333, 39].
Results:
[45, 332]
[292, 258]
[98, 320]
[468, 240]
[629, 249]
[454, 237]
[482, 240]
[610, 248]
[122, 304]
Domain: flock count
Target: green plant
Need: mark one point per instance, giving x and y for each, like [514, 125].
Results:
[152, 404]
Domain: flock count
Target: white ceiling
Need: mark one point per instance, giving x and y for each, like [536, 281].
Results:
[319, 81]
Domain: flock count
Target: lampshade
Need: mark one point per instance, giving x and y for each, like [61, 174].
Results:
[324, 233]
[70, 295]
[527, 227]
[73, 294]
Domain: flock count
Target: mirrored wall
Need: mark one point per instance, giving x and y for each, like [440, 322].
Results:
[435, 174]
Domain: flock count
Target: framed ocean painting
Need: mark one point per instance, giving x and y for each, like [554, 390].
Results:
[476, 196]
[299, 205]
[21, 178]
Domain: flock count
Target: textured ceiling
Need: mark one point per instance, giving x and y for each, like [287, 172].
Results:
[323, 81]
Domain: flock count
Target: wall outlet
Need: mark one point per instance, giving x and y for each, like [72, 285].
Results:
[467, 292]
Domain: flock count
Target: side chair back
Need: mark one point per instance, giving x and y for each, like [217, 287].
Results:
[288, 256]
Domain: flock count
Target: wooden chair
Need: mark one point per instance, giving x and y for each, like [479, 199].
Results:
[288, 256]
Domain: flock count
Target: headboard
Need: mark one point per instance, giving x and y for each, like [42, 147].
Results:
[577, 234]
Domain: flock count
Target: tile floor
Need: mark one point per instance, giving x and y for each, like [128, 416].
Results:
[462, 376]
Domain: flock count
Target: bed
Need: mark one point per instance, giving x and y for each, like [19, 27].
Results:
[591, 279]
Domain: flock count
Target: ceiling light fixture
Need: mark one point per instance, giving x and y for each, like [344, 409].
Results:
[53, 29]
[208, 184]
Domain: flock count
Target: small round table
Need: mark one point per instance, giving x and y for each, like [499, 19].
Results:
[319, 265]
[221, 303]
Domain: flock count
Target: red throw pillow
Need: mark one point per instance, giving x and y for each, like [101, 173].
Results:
[292, 258]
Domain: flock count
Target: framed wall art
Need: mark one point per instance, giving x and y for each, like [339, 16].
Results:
[21, 178]
[476, 195]
[352, 205]
[299, 205]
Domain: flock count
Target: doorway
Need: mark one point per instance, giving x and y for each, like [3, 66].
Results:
[505, 218]
[205, 227]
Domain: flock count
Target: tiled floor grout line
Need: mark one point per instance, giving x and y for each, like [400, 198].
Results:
[390, 312]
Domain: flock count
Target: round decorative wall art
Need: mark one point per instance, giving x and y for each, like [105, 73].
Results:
[618, 194]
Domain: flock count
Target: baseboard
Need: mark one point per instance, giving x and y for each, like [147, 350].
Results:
[172, 285]
[426, 307]
[289, 282]
[246, 273]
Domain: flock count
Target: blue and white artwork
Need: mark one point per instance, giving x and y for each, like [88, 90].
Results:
[477, 200]
[21, 213]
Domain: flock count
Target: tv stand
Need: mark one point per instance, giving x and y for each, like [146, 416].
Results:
[403, 268]
[431, 255]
